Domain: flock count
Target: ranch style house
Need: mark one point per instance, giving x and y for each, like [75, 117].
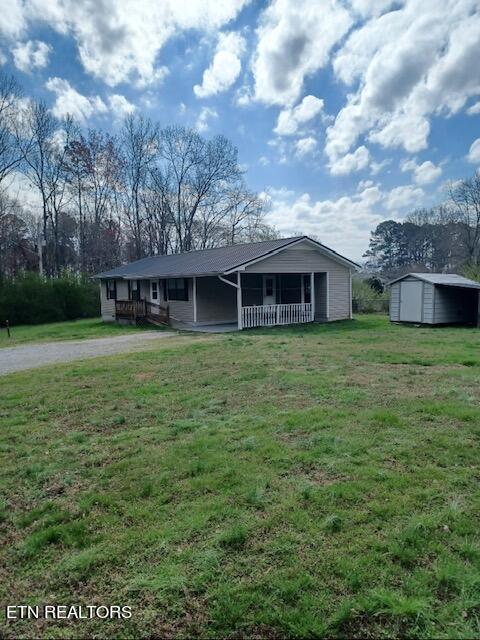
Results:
[275, 282]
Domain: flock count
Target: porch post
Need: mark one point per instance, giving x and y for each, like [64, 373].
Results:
[351, 298]
[194, 293]
[327, 284]
[312, 294]
[239, 300]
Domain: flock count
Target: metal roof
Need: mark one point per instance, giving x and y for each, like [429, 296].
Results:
[443, 279]
[210, 261]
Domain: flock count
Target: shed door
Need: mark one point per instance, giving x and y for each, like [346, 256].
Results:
[411, 301]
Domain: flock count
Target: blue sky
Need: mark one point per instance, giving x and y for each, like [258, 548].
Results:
[344, 113]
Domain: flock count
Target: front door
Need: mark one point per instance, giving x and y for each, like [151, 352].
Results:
[269, 290]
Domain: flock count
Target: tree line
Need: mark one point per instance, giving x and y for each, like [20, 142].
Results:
[102, 199]
[444, 238]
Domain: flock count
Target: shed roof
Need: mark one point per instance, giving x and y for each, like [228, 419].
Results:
[443, 279]
[211, 261]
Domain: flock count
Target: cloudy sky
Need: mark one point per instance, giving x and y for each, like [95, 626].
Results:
[345, 113]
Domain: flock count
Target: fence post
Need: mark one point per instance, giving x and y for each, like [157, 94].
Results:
[8, 328]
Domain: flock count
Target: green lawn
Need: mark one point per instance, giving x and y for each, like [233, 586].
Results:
[72, 330]
[309, 481]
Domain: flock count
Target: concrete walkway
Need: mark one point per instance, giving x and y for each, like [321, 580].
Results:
[30, 356]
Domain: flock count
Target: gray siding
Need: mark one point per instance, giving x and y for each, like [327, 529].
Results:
[339, 296]
[180, 310]
[395, 302]
[303, 258]
[216, 301]
[428, 301]
[320, 296]
[107, 307]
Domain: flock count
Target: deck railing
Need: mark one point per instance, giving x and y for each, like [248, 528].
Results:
[142, 310]
[157, 312]
[130, 308]
[269, 315]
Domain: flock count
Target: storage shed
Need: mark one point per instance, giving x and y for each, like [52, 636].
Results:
[434, 298]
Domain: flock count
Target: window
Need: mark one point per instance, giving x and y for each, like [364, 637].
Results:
[269, 286]
[177, 289]
[133, 290]
[111, 289]
[154, 289]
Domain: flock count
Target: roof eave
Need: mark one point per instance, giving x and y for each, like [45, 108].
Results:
[149, 276]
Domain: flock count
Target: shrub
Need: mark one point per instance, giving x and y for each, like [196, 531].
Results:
[472, 271]
[30, 299]
[367, 299]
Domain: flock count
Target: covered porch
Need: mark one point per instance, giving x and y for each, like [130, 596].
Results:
[234, 301]
[266, 299]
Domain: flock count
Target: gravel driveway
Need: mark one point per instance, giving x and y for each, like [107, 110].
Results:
[37, 355]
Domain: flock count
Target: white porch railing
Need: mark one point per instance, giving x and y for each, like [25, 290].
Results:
[268, 315]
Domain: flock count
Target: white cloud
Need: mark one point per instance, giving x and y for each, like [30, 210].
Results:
[295, 38]
[376, 167]
[120, 106]
[407, 130]
[225, 67]
[364, 184]
[404, 66]
[290, 119]
[474, 109]
[404, 196]
[12, 20]
[350, 162]
[343, 224]
[205, 115]
[424, 173]
[70, 102]
[474, 152]
[31, 55]
[305, 146]
[120, 41]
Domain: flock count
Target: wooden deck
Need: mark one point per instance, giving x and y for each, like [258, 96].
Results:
[141, 310]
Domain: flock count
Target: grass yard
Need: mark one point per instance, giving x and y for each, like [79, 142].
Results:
[71, 330]
[309, 481]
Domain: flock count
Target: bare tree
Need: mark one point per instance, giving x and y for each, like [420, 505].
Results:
[34, 135]
[245, 217]
[43, 141]
[10, 154]
[194, 174]
[95, 172]
[139, 144]
[17, 241]
[57, 180]
[465, 203]
[103, 199]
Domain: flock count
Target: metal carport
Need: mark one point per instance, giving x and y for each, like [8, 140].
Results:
[435, 298]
